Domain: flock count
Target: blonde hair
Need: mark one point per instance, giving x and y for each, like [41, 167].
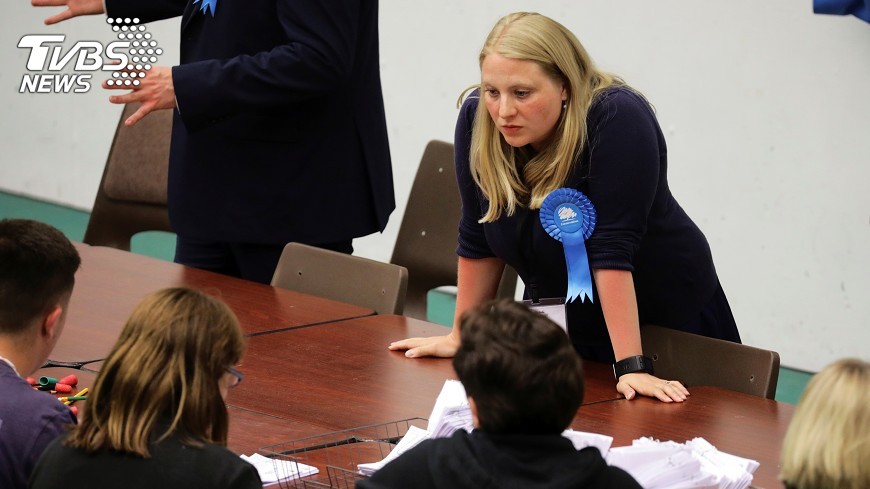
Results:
[166, 365]
[534, 37]
[828, 441]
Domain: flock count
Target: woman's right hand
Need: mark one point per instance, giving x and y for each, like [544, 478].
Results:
[432, 346]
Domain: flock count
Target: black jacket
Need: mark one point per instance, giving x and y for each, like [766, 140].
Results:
[480, 460]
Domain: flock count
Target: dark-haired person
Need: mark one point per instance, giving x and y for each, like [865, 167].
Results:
[37, 273]
[524, 383]
[156, 417]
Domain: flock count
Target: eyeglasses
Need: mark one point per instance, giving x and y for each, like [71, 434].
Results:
[238, 375]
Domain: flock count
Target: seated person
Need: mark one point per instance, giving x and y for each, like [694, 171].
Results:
[37, 272]
[524, 383]
[827, 445]
[156, 416]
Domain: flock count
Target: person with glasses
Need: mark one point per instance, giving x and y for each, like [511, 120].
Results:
[156, 416]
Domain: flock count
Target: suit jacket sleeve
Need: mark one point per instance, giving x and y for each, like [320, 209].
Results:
[145, 11]
[317, 59]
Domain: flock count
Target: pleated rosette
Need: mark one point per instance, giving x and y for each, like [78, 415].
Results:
[568, 216]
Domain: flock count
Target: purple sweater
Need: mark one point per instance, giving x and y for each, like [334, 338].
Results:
[29, 421]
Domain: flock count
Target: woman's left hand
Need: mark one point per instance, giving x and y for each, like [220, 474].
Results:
[649, 385]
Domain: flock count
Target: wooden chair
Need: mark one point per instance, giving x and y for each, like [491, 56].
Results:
[428, 235]
[345, 278]
[132, 193]
[698, 360]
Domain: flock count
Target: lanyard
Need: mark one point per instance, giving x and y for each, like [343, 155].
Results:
[525, 233]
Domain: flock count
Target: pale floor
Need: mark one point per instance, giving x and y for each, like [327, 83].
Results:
[162, 245]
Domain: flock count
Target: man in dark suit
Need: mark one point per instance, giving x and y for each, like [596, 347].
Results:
[279, 131]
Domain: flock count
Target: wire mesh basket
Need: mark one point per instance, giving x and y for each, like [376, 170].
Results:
[337, 454]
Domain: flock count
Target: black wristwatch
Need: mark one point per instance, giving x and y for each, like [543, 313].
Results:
[630, 365]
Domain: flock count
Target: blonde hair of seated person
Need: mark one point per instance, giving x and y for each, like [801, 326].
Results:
[162, 376]
[827, 445]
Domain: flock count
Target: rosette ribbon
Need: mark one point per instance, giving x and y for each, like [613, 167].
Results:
[568, 216]
[207, 5]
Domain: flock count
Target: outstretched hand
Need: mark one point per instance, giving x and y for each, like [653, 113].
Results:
[74, 8]
[433, 346]
[155, 91]
[649, 385]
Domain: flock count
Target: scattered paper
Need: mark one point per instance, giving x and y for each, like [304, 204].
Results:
[273, 470]
[695, 464]
[582, 439]
[450, 413]
[451, 397]
[411, 439]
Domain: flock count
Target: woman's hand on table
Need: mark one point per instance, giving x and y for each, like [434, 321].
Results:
[432, 346]
[645, 384]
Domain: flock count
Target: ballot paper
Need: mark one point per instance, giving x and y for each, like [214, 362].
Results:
[695, 464]
[451, 399]
[582, 439]
[274, 470]
[411, 439]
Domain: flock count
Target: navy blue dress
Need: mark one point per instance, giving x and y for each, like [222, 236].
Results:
[640, 228]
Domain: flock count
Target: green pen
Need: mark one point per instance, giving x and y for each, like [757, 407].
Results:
[73, 398]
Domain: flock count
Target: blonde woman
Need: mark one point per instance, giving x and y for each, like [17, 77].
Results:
[827, 445]
[156, 417]
[543, 118]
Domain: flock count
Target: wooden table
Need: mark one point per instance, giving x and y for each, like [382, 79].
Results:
[735, 423]
[249, 431]
[314, 367]
[343, 375]
[112, 282]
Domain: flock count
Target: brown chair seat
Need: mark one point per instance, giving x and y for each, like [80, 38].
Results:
[132, 193]
[698, 360]
[344, 278]
[429, 233]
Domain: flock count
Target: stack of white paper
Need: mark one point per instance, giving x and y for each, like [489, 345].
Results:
[274, 470]
[451, 403]
[694, 464]
[453, 418]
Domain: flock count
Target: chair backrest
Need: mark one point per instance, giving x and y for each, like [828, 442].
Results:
[132, 193]
[698, 360]
[345, 278]
[428, 235]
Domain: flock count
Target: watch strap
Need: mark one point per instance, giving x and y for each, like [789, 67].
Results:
[630, 365]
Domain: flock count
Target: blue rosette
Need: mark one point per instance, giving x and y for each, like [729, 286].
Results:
[568, 216]
[206, 5]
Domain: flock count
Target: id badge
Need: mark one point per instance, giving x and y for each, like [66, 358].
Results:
[553, 308]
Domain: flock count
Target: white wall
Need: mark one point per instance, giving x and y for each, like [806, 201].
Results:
[766, 108]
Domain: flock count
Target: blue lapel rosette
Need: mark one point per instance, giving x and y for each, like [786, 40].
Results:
[207, 5]
[569, 216]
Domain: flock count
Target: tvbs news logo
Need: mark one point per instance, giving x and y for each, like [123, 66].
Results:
[128, 59]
